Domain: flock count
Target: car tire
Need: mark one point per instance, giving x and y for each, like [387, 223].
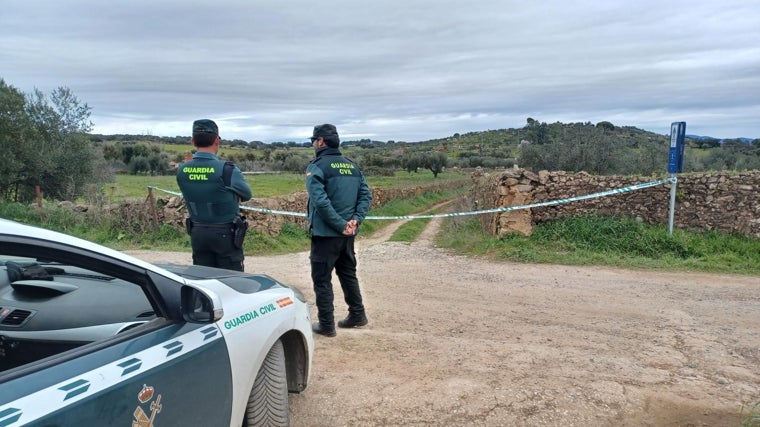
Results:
[268, 401]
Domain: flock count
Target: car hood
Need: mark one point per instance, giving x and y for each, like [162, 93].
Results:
[242, 282]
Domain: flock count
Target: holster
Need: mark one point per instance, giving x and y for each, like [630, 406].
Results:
[239, 228]
[188, 225]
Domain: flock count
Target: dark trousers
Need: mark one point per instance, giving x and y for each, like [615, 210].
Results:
[328, 253]
[212, 247]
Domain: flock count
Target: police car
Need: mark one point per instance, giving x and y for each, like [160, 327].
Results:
[93, 337]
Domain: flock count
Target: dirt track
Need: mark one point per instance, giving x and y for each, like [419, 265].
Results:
[455, 341]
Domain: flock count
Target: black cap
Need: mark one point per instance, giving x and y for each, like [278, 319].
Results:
[324, 131]
[205, 126]
[328, 132]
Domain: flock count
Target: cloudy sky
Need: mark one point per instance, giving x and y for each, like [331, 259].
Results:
[403, 70]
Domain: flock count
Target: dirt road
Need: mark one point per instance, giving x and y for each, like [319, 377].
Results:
[455, 341]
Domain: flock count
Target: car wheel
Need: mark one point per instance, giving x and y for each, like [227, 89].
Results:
[268, 401]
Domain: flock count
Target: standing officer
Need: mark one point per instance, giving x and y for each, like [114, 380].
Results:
[339, 199]
[213, 190]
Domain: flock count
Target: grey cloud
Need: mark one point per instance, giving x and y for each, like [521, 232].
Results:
[391, 70]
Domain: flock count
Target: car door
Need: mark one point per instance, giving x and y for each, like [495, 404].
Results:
[164, 370]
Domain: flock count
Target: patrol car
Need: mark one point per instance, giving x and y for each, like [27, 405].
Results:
[90, 336]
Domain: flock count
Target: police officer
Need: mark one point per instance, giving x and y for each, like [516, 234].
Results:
[213, 200]
[339, 199]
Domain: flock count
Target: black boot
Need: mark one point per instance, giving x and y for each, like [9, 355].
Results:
[352, 321]
[328, 331]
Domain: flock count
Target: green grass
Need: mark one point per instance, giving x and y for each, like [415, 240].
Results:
[753, 415]
[97, 226]
[263, 185]
[608, 241]
[292, 238]
[409, 231]
[408, 207]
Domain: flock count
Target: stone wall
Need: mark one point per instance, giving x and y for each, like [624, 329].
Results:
[715, 201]
[172, 210]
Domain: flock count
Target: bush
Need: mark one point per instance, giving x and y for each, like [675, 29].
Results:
[378, 171]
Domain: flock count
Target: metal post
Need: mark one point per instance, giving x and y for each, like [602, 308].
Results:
[673, 181]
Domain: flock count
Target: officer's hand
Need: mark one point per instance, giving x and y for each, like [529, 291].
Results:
[350, 229]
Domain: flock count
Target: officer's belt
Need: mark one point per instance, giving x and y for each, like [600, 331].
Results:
[225, 225]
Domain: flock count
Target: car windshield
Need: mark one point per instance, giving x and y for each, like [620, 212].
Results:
[48, 307]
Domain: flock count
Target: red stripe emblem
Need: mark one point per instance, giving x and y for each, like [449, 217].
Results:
[284, 302]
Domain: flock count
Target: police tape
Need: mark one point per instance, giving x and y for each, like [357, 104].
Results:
[247, 208]
[481, 212]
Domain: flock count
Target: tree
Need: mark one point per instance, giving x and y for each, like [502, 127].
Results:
[295, 164]
[45, 143]
[537, 132]
[411, 162]
[138, 165]
[134, 150]
[113, 151]
[159, 163]
[605, 125]
[15, 127]
[436, 162]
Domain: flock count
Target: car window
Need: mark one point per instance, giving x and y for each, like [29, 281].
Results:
[60, 301]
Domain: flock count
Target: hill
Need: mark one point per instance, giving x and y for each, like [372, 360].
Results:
[601, 148]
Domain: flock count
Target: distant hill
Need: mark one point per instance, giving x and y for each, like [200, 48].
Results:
[536, 132]
[720, 140]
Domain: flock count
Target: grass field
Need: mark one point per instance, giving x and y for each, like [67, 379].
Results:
[263, 185]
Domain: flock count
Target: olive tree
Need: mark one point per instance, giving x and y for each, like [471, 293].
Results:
[436, 162]
[15, 127]
[44, 139]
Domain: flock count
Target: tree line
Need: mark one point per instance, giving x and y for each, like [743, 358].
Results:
[48, 146]
[600, 148]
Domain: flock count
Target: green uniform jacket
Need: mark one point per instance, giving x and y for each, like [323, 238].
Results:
[207, 198]
[337, 191]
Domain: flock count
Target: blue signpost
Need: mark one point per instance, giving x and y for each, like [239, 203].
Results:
[675, 164]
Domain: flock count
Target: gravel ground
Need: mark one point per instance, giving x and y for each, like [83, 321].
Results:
[457, 341]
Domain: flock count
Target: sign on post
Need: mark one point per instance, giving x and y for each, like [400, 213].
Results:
[675, 164]
[677, 136]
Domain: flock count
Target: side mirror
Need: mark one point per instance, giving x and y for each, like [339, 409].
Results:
[200, 306]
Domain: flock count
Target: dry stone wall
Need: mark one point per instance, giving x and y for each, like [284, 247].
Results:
[715, 201]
